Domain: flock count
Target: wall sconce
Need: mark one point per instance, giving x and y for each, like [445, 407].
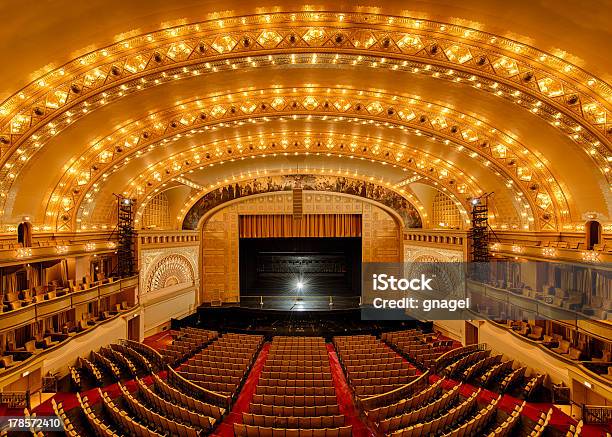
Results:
[111, 245]
[517, 249]
[549, 251]
[89, 247]
[61, 249]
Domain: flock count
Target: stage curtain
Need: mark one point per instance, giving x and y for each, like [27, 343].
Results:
[310, 225]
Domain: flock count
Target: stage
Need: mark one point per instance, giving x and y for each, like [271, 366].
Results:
[300, 302]
[286, 319]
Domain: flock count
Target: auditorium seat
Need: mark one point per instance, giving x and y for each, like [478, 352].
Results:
[295, 394]
[355, 352]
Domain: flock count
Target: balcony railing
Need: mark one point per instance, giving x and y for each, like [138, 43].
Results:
[36, 311]
[597, 414]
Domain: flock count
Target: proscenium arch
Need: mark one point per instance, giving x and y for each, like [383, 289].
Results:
[401, 187]
[198, 192]
[461, 202]
[205, 217]
[410, 202]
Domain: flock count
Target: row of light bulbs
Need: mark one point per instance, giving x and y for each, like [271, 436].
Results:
[592, 151]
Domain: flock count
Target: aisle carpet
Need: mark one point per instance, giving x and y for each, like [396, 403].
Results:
[226, 428]
[345, 397]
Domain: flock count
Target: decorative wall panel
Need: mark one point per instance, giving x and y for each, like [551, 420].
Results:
[162, 268]
[430, 254]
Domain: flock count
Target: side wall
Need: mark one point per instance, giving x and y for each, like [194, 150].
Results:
[169, 277]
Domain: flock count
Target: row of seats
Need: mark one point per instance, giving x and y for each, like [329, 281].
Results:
[123, 420]
[217, 353]
[353, 349]
[421, 414]
[75, 378]
[297, 401]
[443, 422]
[456, 368]
[122, 361]
[480, 367]
[508, 426]
[153, 355]
[165, 390]
[91, 368]
[197, 391]
[425, 396]
[242, 430]
[293, 422]
[100, 427]
[170, 409]
[476, 424]
[104, 363]
[512, 379]
[295, 395]
[186, 342]
[423, 349]
[141, 362]
[499, 370]
[295, 391]
[58, 409]
[153, 420]
[453, 355]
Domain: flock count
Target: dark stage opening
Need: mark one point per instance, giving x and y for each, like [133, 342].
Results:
[300, 267]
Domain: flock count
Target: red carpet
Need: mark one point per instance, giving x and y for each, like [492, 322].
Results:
[69, 400]
[226, 428]
[532, 410]
[160, 340]
[345, 397]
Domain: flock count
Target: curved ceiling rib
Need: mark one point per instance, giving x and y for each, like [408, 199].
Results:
[465, 133]
[562, 95]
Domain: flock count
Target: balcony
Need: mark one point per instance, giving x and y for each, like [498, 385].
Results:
[36, 311]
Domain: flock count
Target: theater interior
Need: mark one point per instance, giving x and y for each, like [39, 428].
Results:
[194, 196]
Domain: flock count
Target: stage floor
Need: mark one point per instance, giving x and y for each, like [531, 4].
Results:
[311, 318]
[300, 303]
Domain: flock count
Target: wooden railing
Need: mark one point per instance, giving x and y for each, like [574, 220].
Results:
[15, 399]
[395, 395]
[597, 414]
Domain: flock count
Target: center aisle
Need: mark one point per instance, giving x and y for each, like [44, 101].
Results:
[345, 398]
[226, 428]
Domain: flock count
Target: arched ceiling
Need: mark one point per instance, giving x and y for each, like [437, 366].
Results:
[460, 96]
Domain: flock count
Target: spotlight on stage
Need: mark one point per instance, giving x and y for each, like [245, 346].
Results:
[300, 285]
